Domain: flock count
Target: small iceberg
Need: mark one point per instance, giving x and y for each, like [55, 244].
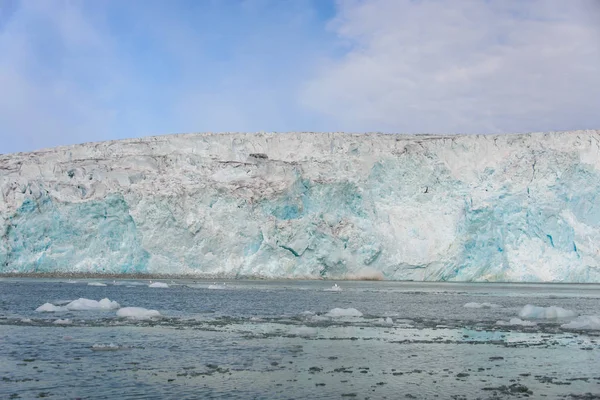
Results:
[334, 288]
[591, 322]
[96, 284]
[343, 312]
[303, 331]
[482, 305]
[158, 285]
[216, 286]
[516, 321]
[62, 322]
[106, 347]
[80, 304]
[552, 312]
[138, 313]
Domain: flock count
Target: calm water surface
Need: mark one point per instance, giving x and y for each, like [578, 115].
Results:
[275, 340]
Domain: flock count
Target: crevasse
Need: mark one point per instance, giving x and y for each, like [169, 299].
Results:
[308, 205]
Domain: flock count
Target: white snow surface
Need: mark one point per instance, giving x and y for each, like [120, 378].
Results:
[552, 312]
[309, 205]
[158, 285]
[482, 305]
[137, 313]
[584, 322]
[343, 312]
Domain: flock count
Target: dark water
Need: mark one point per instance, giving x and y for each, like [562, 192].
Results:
[257, 340]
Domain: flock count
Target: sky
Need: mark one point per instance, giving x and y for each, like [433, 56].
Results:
[81, 71]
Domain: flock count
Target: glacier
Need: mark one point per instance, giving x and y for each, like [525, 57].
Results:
[512, 208]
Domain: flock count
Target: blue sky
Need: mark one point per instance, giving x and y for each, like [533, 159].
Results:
[78, 71]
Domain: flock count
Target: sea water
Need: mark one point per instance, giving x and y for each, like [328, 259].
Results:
[297, 340]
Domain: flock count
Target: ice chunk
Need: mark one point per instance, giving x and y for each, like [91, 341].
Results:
[96, 284]
[387, 321]
[105, 347]
[216, 286]
[584, 322]
[49, 307]
[516, 321]
[82, 304]
[62, 321]
[334, 288]
[343, 312]
[158, 285]
[482, 305]
[26, 320]
[304, 331]
[137, 313]
[552, 312]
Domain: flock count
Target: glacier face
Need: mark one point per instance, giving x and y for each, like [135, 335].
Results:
[306, 205]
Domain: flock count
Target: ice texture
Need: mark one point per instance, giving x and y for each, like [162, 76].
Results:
[309, 205]
[344, 312]
[552, 312]
[584, 322]
[137, 313]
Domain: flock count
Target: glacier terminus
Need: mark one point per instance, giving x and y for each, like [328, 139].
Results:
[512, 208]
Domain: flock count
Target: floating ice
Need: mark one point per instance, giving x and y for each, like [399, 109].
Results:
[158, 285]
[49, 307]
[516, 321]
[552, 312]
[62, 321]
[343, 312]
[137, 313]
[26, 320]
[96, 284]
[105, 347]
[334, 288]
[387, 321]
[304, 331]
[584, 322]
[82, 304]
[482, 305]
[216, 286]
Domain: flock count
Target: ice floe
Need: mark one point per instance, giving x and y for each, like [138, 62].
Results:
[106, 347]
[516, 321]
[552, 312]
[80, 304]
[303, 331]
[137, 313]
[65, 321]
[26, 320]
[343, 312]
[96, 284]
[158, 285]
[334, 288]
[584, 322]
[482, 305]
[216, 286]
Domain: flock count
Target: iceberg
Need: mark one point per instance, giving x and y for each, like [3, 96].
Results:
[343, 312]
[552, 312]
[514, 208]
[584, 322]
[80, 304]
[138, 313]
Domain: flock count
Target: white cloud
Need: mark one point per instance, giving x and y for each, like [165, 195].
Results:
[462, 66]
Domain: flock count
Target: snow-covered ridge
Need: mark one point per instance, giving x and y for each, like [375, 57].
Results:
[498, 207]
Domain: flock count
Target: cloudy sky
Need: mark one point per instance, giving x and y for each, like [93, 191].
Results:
[80, 71]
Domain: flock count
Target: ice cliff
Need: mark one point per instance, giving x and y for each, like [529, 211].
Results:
[483, 208]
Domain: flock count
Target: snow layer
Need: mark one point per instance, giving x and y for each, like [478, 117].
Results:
[552, 312]
[306, 205]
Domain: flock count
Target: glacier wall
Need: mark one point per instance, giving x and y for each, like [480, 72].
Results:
[307, 205]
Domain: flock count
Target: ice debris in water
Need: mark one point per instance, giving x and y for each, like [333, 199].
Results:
[217, 286]
[584, 322]
[80, 304]
[137, 313]
[344, 312]
[304, 331]
[62, 321]
[387, 321]
[105, 347]
[334, 288]
[482, 305]
[516, 321]
[158, 285]
[96, 284]
[552, 312]
[26, 320]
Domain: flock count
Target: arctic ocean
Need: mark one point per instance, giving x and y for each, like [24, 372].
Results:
[512, 208]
